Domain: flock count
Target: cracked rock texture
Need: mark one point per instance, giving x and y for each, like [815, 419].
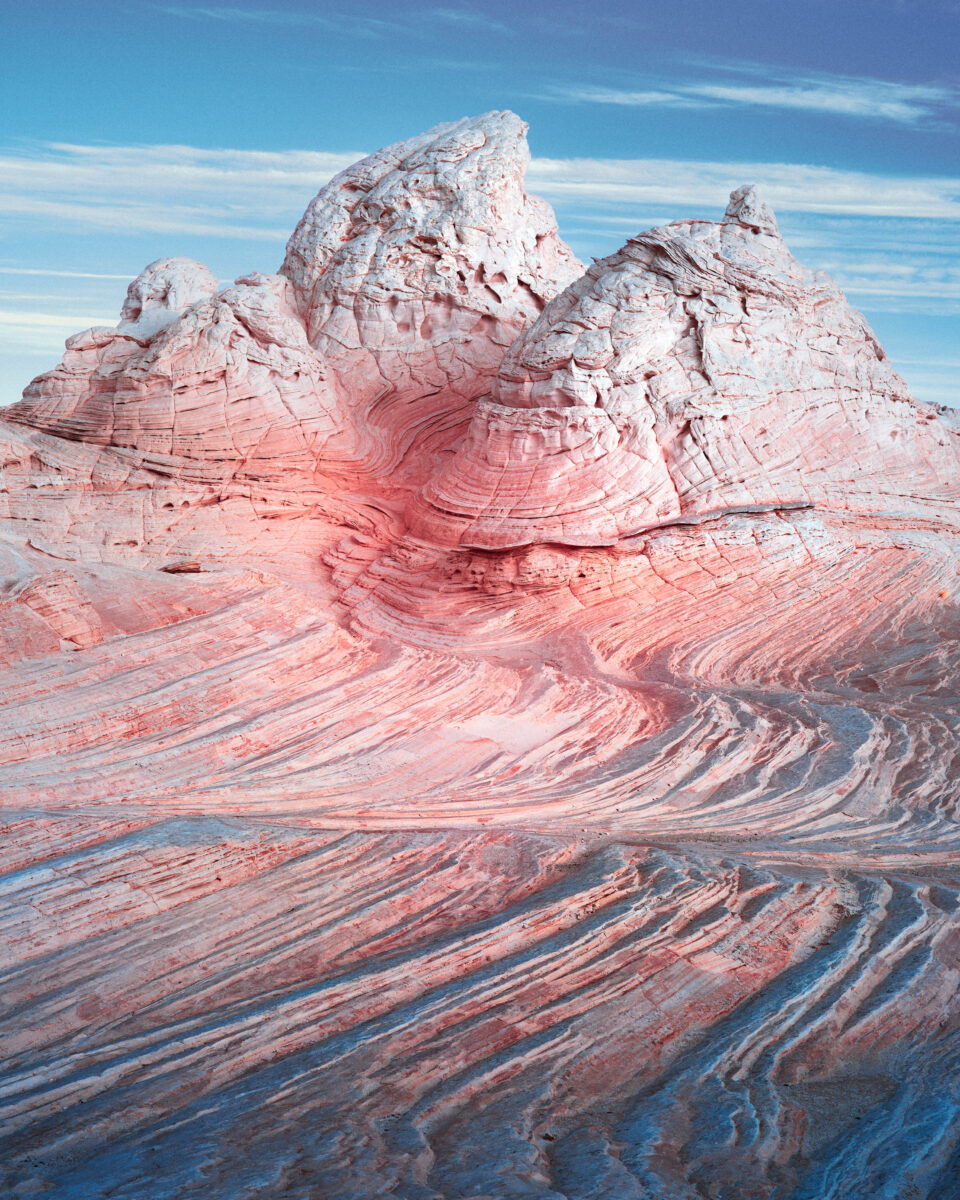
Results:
[474, 728]
[700, 369]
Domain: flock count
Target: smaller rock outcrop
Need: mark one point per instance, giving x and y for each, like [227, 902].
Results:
[79, 398]
[191, 372]
[161, 293]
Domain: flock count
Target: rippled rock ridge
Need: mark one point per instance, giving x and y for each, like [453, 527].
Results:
[477, 727]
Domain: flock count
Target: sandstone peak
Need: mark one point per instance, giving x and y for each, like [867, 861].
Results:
[415, 269]
[430, 204]
[415, 243]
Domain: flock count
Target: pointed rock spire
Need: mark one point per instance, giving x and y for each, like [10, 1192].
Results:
[748, 208]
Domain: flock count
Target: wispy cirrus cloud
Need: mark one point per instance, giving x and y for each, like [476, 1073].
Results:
[56, 274]
[870, 98]
[137, 218]
[789, 187]
[235, 14]
[836, 95]
[468, 18]
[217, 193]
[623, 98]
[353, 21]
[57, 321]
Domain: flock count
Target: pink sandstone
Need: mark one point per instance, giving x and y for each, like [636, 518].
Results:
[478, 728]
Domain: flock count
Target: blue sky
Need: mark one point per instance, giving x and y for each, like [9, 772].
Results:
[129, 131]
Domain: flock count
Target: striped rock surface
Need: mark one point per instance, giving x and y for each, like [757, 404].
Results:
[538, 779]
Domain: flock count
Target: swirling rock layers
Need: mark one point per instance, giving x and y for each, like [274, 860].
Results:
[469, 730]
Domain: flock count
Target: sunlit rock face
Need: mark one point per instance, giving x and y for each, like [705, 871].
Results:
[473, 729]
[417, 268]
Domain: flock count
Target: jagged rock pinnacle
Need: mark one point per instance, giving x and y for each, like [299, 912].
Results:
[747, 207]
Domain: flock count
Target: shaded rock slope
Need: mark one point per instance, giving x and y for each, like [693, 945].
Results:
[478, 728]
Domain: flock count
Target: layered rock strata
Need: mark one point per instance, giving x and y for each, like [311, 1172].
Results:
[469, 730]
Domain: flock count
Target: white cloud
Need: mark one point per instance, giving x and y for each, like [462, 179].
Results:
[938, 291]
[349, 21]
[59, 274]
[241, 194]
[622, 97]
[839, 95]
[37, 336]
[932, 380]
[468, 18]
[871, 98]
[61, 167]
[53, 320]
[788, 187]
[138, 218]
[250, 16]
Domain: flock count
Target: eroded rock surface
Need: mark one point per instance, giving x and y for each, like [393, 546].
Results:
[699, 370]
[473, 728]
[403, 285]
[418, 267]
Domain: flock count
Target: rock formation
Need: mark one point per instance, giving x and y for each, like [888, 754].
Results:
[697, 371]
[403, 285]
[475, 727]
